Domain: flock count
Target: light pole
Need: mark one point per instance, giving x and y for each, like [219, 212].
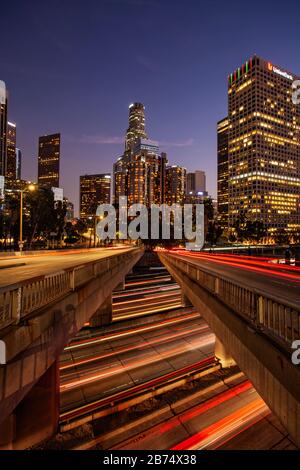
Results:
[31, 187]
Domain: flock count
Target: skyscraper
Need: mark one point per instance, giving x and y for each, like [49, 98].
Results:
[11, 166]
[222, 132]
[136, 127]
[3, 127]
[48, 160]
[144, 173]
[175, 185]
[196, 182]
[94, 190]
[140, 172]
[120, 178]
[264, 146]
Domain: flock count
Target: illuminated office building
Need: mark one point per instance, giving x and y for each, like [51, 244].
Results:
[140, 173]
[3, 127]
[48, 160]
[120, 178]
[196, 182]
[144, 170]
[11, 163]
[264, 146]
[94, 190]
[222, 130]
[175, 185]
[136, 129]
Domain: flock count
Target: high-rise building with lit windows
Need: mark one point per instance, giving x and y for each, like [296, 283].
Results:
[139, 174]
[175, 185]
[48, 160]
[263, 146]
[195, 182]
[3, 127]
[11, 162]
[222, 131]
[94, 190]
[136, 129]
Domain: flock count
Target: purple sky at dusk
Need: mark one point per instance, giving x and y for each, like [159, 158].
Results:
[74, 67]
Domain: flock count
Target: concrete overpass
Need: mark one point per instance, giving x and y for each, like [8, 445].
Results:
[44, 302]
[256, 317]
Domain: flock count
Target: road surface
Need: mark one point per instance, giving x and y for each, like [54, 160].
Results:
[49, 263]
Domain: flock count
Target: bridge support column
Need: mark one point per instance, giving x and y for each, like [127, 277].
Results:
[221, 354]
[7, 433]
[185, 302]
[120, 286]
[103, 315]
[36, 416]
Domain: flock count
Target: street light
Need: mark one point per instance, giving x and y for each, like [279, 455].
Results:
[30, 187]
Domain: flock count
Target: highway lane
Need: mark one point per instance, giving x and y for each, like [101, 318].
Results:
[51, 263]
[284, 285]
[100, 369]
[206, 425]
[147, 292]
[147, 304]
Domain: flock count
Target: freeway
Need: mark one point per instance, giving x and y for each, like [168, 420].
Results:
[205, 426]
[152, 291]
[50, 263]
[273, 279]
[94, 369]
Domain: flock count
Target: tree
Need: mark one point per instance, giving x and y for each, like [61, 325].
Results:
[255, 230]
[281, 237]
[214, 232]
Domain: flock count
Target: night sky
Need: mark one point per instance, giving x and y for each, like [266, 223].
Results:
[74, 67]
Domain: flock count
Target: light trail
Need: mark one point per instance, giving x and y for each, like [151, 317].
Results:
[141, 313]
[235, 422]
[242, 397]
[136, 330]
[142, 345]
[148, 298]
[145, 290]
[270, 271]
[134, 364]
[150, 384]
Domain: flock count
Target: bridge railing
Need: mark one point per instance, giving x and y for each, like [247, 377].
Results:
[19, 300]
[275, 316]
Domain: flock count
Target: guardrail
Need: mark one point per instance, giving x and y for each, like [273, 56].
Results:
[19, 300]
[275, 316]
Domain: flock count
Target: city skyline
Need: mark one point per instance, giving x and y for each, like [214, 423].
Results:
[188, 73]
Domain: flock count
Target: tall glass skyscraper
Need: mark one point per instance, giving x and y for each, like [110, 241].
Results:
[136, 127]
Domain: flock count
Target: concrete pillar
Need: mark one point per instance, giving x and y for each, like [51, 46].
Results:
[120, 286]
[36, 417]
[221, 354]
[103, 315]
[185, 302]
[7, 433]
